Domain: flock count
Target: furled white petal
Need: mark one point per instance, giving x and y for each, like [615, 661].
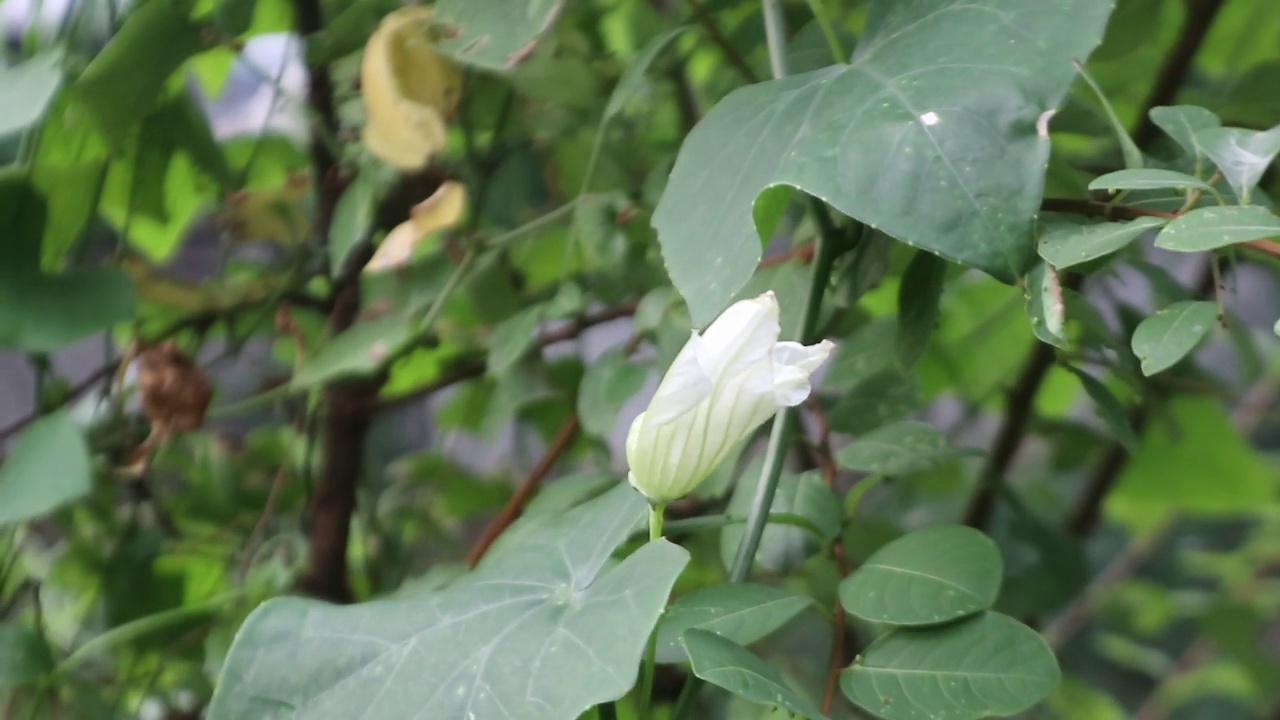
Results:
[808, 358]
[722, 386]
[793, 363]
[684, 386]
[742, 336]
[790, 386]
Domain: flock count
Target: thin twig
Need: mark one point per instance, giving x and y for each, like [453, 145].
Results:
[1017, 415]
[1122, 567]
[802, 253]
[708, 23]
[559, 443]
[1083, 518]
[1177, 65]
[268, 509]
[102, 374]
[473, 369]
[511, 511]
[838, 657]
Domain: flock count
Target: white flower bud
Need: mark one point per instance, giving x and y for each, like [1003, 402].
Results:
[723, 385]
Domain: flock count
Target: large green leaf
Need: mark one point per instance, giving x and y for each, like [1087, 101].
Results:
[929, 135]
[494, 34]
[1163, 339]
[868, 352]
[905, 447]
[1214, 227]
[928, 577]
[359, 351]
[984, 666]
[43, 313]
[545, 628]
[728, 665]
[121, 85]
[27, 89]
[47, 468]
[742, 612]
[1192, 461]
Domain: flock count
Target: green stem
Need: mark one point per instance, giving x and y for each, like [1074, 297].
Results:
[648, 669]
[775, 38]
[535, 224]
[828, 31]
[775, 457]
[450, 285]
[142, 626]
[703, 523]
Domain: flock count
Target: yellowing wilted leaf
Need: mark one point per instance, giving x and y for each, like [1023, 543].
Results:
[281, 215]
[408, 90]
[440, 211]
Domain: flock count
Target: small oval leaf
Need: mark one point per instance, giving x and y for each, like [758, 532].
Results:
[930, 576]
[1064, 244]
[1214, 227]
[984, 666]
[1163, 339]
[900, 448]
[728, 665]
[743, 613]
[1148, 179]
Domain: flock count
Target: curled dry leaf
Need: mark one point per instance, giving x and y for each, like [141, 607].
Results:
[440, 211]
[408, 89]
[174, 391]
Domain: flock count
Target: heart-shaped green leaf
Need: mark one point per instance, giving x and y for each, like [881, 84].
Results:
[936, 147]
[545, 628]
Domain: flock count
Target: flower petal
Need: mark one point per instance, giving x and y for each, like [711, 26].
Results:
[793, 364]
[808, 358]
[741, 337]
[684, 386]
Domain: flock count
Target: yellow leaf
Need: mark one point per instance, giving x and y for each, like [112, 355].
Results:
[440, 211]
[408, 90]
[152, 285]
[281, 215]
